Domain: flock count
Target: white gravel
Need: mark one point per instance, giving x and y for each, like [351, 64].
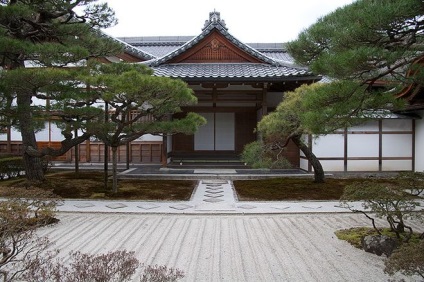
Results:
[269, 247]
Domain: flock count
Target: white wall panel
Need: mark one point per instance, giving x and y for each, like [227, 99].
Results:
[397, 124]
[329, 146]
[362, 145]
[303, 164]
[329, 165]
[362, 165]
[396, 165]
[397, 145]
[419, 143]
[15, 136]
[368, 126]
[204, 137]
[224, 131]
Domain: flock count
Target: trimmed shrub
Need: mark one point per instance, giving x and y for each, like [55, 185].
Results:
[254, 155]
[259, 155]
[11, 167]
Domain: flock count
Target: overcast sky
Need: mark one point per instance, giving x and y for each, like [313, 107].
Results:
[249, 21]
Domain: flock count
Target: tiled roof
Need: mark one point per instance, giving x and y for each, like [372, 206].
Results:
[242, 71]
[159, 51]
[281, 56]
[156, 40]
[276, 62]
[139, 53]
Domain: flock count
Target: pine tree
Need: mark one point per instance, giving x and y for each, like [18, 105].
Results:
[371, 50]
[43, 46]
[140, 103]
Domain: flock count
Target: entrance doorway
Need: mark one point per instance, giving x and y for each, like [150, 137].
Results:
[218, 134]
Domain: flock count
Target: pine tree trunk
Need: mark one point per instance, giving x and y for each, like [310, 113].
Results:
[33, 164]
[318, 170]
[115, 169]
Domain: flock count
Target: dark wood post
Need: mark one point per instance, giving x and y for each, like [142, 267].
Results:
[106, 152]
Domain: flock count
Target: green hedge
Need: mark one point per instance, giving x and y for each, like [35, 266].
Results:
[11, 167]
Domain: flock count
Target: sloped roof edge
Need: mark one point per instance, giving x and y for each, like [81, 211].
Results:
[131, 49]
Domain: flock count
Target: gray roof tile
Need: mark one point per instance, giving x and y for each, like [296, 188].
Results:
[277, 63]
[131, 49]
[159, 50]
[244, 71]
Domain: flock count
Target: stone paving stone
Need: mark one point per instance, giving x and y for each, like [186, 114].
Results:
[207, 182]
[116, 206]
[215, 188]
[213, 196]
[215, 191]
[180, 207]
[280, 207]
[312, 207]
[213, 200]
[147, 206]
[247, 207]
[84, 205]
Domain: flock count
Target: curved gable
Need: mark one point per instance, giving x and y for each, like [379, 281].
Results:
[214, 45]
[214, 48]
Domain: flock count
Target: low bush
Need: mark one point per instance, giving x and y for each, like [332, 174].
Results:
[113, 266]
[383, 200]
[11, 167]
[160, 273]
[260, 155]
[407, 259]
[20, 215]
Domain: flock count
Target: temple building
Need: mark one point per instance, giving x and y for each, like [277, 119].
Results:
[236, 84]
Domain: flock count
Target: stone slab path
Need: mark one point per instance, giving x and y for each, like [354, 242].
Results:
[210, 196]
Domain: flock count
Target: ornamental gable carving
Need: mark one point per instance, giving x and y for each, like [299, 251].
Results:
[213, 49]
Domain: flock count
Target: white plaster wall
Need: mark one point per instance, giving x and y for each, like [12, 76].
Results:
[53, 130]
[332, 165]
[365, 145]
[397, 145]
[362, 165]
[362, 145]
[396, 165]
[419, 143]
[368, 126]
[329, 146]
[303, 164]
[15, 136]
[397, 124]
